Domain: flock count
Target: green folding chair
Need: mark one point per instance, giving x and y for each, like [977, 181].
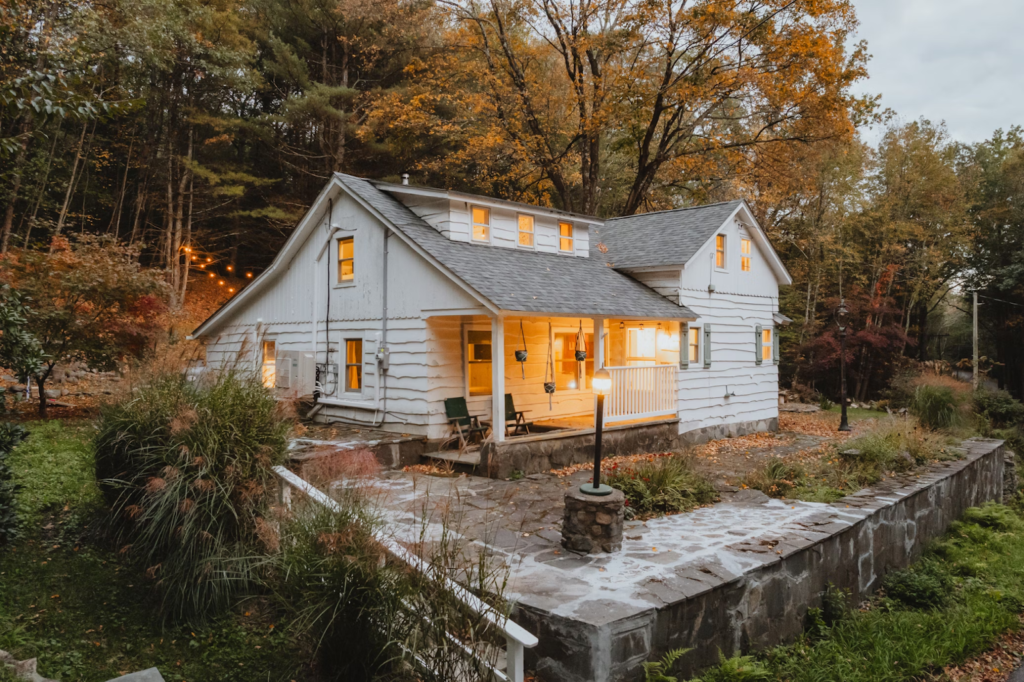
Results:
[463, 425]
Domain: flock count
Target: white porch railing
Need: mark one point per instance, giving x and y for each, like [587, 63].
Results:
[517, 639]
[638, 392]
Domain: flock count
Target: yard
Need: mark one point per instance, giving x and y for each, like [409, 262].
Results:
[66, 598]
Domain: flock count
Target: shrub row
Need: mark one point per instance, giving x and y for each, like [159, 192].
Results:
[10, 435]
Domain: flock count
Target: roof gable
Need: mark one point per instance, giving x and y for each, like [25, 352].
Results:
[673, 238]
[500, 278]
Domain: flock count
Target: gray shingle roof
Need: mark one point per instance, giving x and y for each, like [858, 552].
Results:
[663, 237]
[521, 280]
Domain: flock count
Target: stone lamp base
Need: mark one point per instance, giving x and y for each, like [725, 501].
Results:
[593, 523]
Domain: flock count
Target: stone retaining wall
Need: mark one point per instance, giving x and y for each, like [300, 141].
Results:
[756, 593]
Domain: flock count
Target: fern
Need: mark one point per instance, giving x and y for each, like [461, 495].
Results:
[656, 671]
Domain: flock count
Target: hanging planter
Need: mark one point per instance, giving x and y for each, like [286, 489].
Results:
[521, 355]
[581, 355]
[549, 373]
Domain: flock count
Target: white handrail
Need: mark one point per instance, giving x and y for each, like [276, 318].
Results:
[642, 391]
[517, 639]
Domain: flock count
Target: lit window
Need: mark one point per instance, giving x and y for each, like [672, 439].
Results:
[269, 364]
[346, 260]
[353, 365]
[641, 346]
[526, 231]
[570, 374]
[745, 255]
[720, 251]
[478, 357]
[694, 344]
[766, 344]
[481, 224]
[565, 237]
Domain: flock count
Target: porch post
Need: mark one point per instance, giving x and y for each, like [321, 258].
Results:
[498, 378]
[598, 342]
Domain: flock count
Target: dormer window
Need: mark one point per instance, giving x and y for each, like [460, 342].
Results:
[720, 251]
[526, 231]
[565, 237]
[481, 224]
[745, 255]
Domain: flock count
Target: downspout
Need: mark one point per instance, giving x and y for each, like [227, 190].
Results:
[317, 405]
[383, 353]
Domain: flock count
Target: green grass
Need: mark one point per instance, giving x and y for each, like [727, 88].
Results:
[857, 413]
[66, 598]
[55, 468]
[982, 557]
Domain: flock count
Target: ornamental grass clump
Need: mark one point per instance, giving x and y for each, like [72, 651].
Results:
[661, 485]
[187, 470]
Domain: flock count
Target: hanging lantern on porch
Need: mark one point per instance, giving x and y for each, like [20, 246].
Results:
[521, 355]
[581, 355]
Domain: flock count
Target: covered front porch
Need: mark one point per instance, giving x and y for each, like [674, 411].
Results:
[543, 366]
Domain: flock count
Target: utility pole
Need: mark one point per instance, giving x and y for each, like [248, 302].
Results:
[974, 362]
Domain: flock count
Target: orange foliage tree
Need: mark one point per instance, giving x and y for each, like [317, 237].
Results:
[89, 300]
[617, 106]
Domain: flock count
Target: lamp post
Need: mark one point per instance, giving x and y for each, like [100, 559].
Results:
[841, 321]
[602, 383]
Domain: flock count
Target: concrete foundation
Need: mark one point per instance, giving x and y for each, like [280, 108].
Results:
[719, 431]
[598, 619]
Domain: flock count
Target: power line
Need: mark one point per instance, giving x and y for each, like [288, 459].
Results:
[1001, 301]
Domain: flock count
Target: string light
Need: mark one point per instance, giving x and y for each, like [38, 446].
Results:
[231, 290]
[248, 274]
[209, 260]
[221, 283]
[211, 274]
[230, 268]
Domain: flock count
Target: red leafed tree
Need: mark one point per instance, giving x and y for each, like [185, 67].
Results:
[88, 300]
[875, 341]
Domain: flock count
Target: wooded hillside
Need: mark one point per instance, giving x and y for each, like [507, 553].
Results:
[198, 131]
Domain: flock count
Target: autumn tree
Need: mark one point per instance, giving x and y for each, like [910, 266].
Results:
[91, 302]
[621, 106]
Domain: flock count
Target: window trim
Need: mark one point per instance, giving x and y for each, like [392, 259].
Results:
[465, 359]
[338, 282]
[532, 232]
[263, 361]
[745, 254]
[571, 237]
[473, 224]
[361, 364]
[724, 267]
[768, 346]
[693, 342]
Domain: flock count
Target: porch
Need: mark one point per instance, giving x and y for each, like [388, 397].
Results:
[546, 365]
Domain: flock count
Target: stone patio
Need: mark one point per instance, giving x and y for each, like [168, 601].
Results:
[732, 576]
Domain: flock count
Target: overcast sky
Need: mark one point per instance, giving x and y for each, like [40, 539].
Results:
[961, 61]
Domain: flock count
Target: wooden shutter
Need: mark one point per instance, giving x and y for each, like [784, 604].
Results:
[684, 345]
[775, 345]
[758, 332]
[707, 345]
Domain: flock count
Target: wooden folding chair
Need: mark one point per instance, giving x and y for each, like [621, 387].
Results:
[463, 425]
[516, 417]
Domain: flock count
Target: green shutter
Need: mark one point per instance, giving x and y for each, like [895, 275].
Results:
[775, 345]
[707, 345]
[758, 330]
[684, 345]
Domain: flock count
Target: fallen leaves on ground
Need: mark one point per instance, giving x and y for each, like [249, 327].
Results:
[995, 665]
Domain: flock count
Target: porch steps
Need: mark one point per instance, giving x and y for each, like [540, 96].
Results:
[469, 458]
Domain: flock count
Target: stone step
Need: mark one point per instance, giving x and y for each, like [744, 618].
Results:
[468, 458]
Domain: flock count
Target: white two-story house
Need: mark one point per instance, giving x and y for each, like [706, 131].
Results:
[389, 299]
